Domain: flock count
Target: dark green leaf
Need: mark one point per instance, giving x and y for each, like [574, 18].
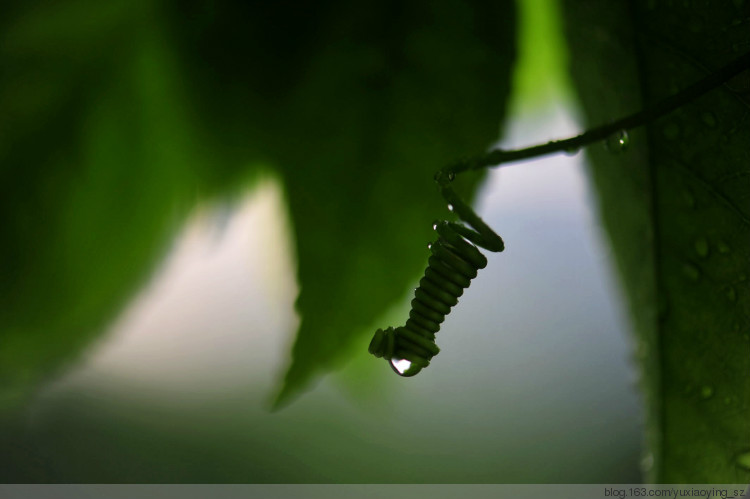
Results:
[97, 169]
[677, 212]
[394, 92]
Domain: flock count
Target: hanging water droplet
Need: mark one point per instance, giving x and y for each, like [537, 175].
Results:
[442, 177]
[701, 247]
[450, 207]
[691, 271]
[571, 151]
[743, 460]
[707, 392]
[434, 226]
[617, 142]
[429, 246]
[400, 365]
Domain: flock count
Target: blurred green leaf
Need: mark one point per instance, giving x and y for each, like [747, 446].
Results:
[394, 92]
[120, 116]
[98, 167]
[677, 212]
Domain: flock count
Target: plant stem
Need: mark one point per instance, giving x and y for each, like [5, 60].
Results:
[497, 157]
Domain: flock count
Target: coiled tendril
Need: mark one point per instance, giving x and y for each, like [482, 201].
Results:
[451, 267]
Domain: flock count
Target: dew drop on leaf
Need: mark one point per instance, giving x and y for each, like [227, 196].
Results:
[743, 460]
[709, 119]
[450, 207]
[617, 142]
[443, 178]
[691, 271]
[701, 247]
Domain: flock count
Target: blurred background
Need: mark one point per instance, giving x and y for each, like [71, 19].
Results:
[536, 380]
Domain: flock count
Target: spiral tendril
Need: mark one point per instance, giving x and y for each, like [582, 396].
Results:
[454, 262]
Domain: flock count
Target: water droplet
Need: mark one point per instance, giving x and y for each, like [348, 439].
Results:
[691, 271]
[709, 119]
[672, 131]
[731, 294]
[617, 142]
[450, 207]
[647, 462]
[571, 151]
[707, 392]
[442, 177]
[701, 247]
[434, 226]
[723, 247]
[400, 365]
[743, 460]
[689, 198]
[429, 246]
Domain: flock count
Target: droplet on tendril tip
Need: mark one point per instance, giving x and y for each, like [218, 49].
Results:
[442, 177]
[617, 142]
[400, 365]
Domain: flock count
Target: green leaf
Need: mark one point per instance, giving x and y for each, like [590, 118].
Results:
[394, 93]
[97, 170]
[677, 212]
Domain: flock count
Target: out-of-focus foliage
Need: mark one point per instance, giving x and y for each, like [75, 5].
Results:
[118, 117]
[677, 211]
[428, 85]
[98, 163]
